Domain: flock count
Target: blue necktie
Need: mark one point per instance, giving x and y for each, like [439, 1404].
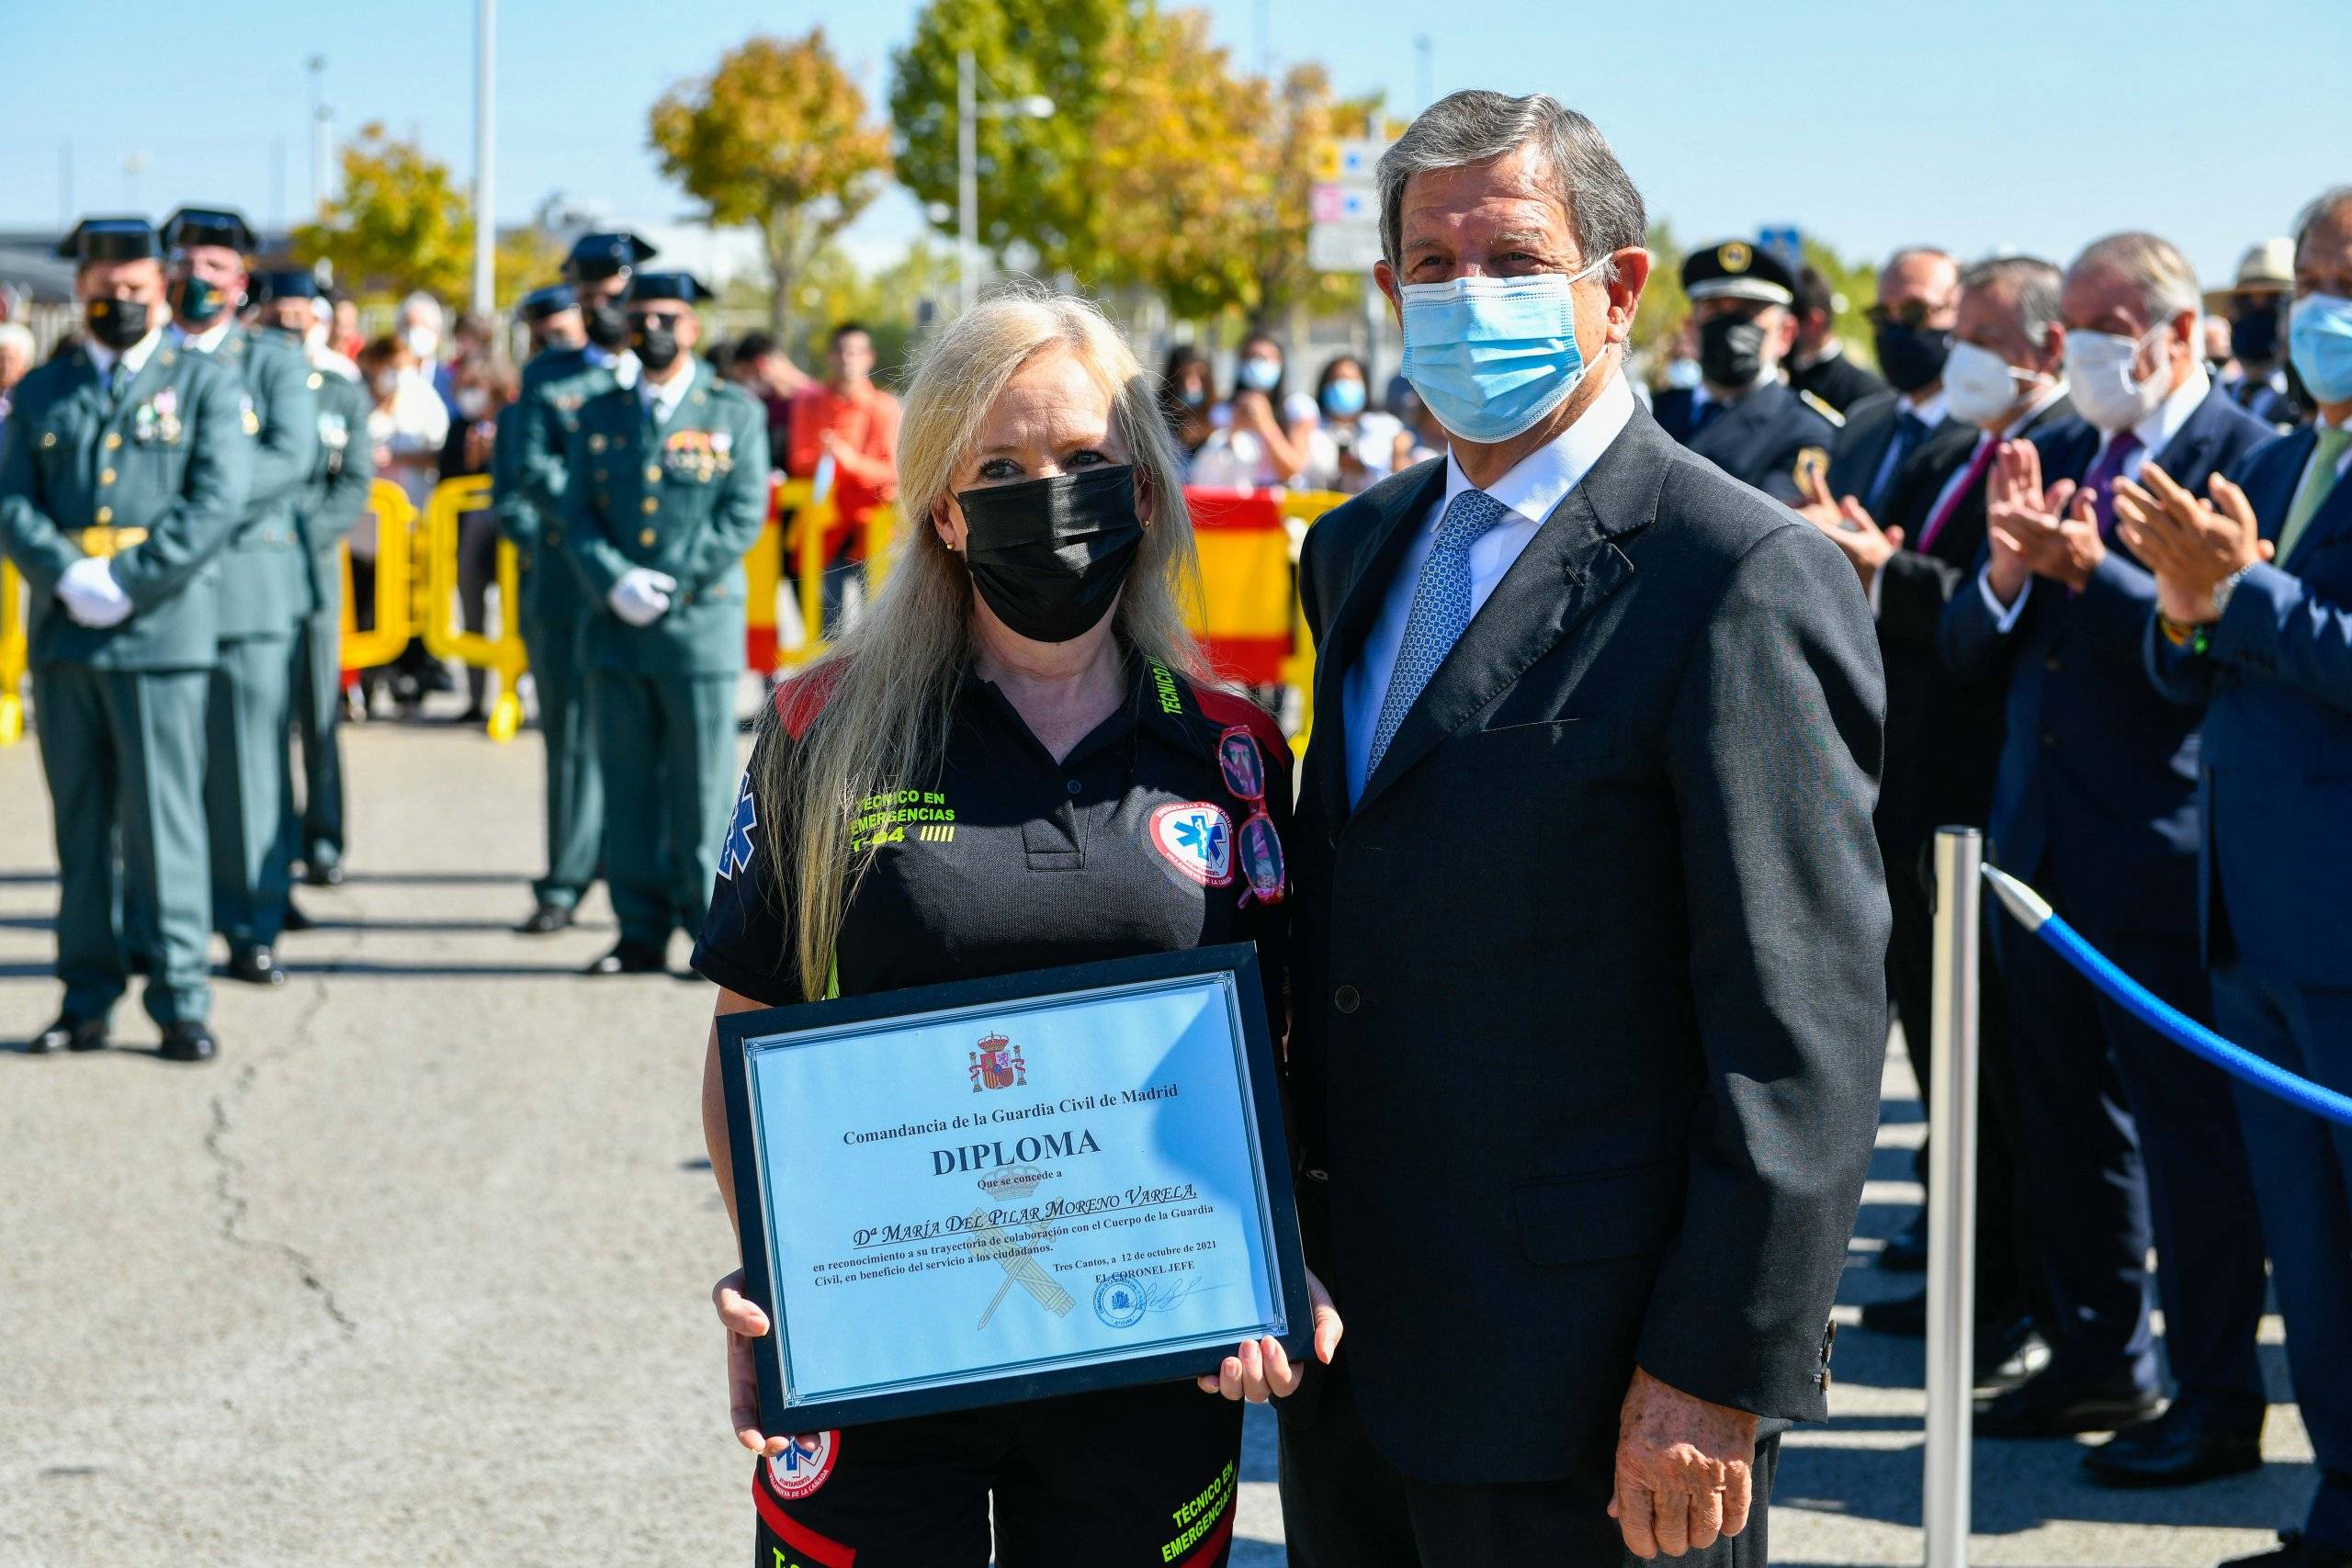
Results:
[1440, 612]
[1909, 431]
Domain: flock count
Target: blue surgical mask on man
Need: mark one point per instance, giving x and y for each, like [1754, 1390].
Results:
[2319, 344]
[1492, 357]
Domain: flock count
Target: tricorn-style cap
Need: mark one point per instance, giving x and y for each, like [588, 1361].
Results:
[605, 253]
[207, 226]
[684, 286]
[284, 283]
[111, 239]
[541, 303]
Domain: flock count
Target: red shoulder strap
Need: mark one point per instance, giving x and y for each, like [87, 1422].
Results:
[799, 700]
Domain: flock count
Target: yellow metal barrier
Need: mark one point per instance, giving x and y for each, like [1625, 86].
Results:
[395, 518]
[13, 655]
[444, 636]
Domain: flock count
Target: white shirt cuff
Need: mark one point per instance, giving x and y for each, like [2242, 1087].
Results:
[2005, 617]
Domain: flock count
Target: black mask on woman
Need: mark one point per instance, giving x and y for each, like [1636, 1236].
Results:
[117, 323]
[1049, 556]
[1731, 351]
[608, 328]
[656, 347]
[1910, 357]
[2254, 336]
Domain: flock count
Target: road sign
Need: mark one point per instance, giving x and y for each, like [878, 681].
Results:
[1343, 247]
[1342, 204]
[1785, 242]
[1354, 160]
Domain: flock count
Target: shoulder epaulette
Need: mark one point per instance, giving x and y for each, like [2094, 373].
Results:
[1826, 410]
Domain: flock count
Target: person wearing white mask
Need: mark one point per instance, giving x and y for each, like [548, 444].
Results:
[2128, 1138]
[2255, 618]
[1597, 732]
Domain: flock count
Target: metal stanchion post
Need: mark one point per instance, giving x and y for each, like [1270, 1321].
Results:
[1952, 1198]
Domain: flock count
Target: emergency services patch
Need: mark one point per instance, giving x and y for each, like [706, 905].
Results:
[1197, 838]
[735, 852]
[804, 1464]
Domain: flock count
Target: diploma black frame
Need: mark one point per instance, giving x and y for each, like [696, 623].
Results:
[1285, 1267]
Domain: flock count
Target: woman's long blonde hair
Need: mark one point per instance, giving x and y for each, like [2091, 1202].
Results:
[883, 697]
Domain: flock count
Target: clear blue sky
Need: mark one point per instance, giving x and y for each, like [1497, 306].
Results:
[2030, 124]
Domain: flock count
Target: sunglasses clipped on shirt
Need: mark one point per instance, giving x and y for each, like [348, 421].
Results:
[1257, 844]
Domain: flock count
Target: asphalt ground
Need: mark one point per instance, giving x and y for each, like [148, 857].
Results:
[417, 1272]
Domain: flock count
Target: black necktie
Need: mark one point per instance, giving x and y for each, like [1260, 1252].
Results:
[1909, 430]
[1707, 410]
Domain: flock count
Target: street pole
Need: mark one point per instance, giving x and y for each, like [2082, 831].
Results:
[319, 150]
[1951, 1197]
[485, 155]
[967, 180]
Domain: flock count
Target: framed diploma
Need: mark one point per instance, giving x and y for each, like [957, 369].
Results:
[1007, 1188]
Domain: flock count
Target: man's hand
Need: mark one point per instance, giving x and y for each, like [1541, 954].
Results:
[642, 595]
[2078, 548]
[91, 595]
[1261, 1370]
[1685, 1470]
[1848, 526]
[2190, 545]
[2021, 517]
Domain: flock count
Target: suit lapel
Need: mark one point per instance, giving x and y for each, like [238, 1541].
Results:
[1567, 570]
[2333, 516]
[2190, 454]
[2277, 491]
[1367, 580]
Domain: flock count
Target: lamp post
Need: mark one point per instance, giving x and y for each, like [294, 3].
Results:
[970, 112]
[485, 154]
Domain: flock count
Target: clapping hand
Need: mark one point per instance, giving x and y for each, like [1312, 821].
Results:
[1849, 525]
[2190, 547]
[2034, 531]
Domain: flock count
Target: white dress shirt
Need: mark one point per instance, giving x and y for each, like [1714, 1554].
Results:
[136, 357]
[206, 341]
[660, 398]
[1930, 413]
[1531, 489]
[2155, 432]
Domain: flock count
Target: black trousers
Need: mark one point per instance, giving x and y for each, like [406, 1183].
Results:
[1344, 1505]
[2007, 1278]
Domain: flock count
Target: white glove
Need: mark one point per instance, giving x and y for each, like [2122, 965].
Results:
[643, 595]
[91, 594]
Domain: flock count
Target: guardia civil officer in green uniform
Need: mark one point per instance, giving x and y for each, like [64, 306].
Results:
[586, 354]
[289, 303]
[1743, 416]
[123, 469]
[264, 591]
[668, 491]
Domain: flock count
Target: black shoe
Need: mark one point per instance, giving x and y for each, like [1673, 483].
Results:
[295, 919]
[631, 958]
[2294, 1552]
[1907, 1250]
[2185, 1445]
[256, 965]
[2007, 1354]
[69, 1034]
[327, 875]
[189, 1043]
[2052, 1406]
[546, 919]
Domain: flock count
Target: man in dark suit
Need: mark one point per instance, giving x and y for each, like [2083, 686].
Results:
[1819, 363]
[2003, 381]
[1591, 998]
[1742, 416]
[2127, 1136]
[2255, 618]
[1918, 299]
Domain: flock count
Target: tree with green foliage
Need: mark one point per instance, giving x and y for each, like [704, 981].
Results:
[1293, 120]
[776, 138]
[403, 224]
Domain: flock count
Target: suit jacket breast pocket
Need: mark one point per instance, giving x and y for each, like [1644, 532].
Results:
[1559, 740]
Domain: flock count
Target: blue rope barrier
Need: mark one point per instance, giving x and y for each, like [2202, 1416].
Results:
[2034, 913]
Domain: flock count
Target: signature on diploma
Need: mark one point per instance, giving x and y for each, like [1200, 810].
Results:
[1016, 1253]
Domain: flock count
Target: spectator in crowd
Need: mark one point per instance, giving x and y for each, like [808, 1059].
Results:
[2220, 362]
[12, 303]
[2255, 304]
[2004, 380]
[469, 336]
[420, 332]
[344, 335]
[481, 386]
[15, 359]
[407, 428]
[850, 425]
[761, 367]
[1260, 440]
[1186, 391]
[1351, 446]
[1911, 322]
[2254, 615]
[1820, 364]
[2128, 1139]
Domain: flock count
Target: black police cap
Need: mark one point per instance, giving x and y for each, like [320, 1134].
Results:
[1738, 270]
[605, 253]
[207, 226]
[541, 303]
[283, 283]
[111, 239]
[683, 287]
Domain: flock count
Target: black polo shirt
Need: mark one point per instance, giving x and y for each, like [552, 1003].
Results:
[999, 859]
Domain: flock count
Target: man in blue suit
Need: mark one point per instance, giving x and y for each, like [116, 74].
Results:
[2255, 618]
[2127, 1138]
